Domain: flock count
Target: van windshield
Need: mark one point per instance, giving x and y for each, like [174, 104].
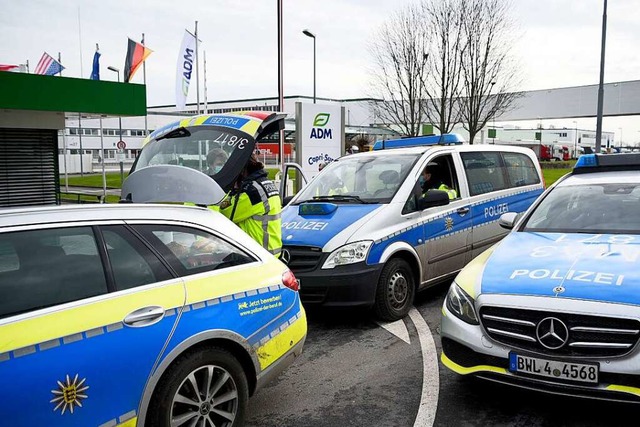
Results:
[360, 178]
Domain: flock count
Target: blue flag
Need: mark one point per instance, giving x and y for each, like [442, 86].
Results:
[95, 74]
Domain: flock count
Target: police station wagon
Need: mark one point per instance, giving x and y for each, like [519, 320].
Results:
[362, 233]
[555, 306]
[139, 314]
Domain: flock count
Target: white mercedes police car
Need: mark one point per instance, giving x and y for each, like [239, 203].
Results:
[555, 306]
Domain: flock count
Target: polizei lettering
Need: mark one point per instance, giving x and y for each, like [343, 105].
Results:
[305, 225]
[187, 67]
[496, 210]
[570, 275]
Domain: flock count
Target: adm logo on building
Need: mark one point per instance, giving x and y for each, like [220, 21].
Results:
[318, 131]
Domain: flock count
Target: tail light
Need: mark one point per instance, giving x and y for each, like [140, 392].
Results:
[290, 281]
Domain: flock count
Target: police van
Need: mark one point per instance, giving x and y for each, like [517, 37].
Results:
[363, 232]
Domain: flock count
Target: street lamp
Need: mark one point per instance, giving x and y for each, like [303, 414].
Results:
[313, 36]
[117, 71]
[495, 131]
[575, 143]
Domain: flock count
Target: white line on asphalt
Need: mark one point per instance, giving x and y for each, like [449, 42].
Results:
[430, 379]
[397, 328]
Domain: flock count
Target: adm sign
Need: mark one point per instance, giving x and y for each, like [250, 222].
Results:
[320, 135]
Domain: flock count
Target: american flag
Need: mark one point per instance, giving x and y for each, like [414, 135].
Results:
[48, 66]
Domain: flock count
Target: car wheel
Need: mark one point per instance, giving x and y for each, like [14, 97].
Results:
[203, 388]
[396, 290]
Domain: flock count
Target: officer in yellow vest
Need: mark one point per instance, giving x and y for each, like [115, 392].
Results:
[254, 205]
[429, 180]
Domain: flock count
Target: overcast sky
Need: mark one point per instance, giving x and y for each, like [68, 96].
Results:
[558, 44]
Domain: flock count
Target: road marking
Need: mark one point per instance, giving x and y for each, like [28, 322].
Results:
[397, 328]
[430, 376]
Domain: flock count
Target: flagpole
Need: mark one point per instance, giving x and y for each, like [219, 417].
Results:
[104, 175]
[144, 79]
[79, 113]
[60, 61]
[27, 66]
[280, 85]
[204, 56]
[197, 72]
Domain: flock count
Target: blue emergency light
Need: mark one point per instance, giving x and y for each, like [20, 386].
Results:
[607, 162]
[418, 141]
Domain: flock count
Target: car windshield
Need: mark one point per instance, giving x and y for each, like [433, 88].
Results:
[592, 208]
[203, 148]
[361, 178]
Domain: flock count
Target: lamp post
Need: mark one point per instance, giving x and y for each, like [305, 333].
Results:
[495, 131]
[575, 142]
[313, 36]
[117, 71]
[620, 129]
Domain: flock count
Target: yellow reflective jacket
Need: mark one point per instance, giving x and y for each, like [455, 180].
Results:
[256, 209]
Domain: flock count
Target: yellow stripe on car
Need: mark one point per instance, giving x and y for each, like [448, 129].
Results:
[95, 314]
[472, 273]
[470, 370]
[283, 341]
[624, 389]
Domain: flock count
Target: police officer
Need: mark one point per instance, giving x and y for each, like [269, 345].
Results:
[429, 180]
[254, 205]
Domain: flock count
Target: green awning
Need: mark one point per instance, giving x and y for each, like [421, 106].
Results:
[21, 91]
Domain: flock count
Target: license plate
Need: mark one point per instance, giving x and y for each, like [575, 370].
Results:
[581, 372]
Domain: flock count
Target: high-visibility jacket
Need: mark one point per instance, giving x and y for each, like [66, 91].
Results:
[255, 207]
[453, 194]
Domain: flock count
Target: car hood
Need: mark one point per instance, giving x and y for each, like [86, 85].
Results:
[317, 226]
[598, 267]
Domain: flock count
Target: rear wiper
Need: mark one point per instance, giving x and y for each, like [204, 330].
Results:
[339, 198]
[176, 133]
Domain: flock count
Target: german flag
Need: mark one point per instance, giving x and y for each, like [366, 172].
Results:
[136, 54]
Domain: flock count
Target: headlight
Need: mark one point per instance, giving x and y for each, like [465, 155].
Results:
[348, 254]
[461, 304]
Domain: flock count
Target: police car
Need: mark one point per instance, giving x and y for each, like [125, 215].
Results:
[363, 234]
[140, 314]
[555, 306]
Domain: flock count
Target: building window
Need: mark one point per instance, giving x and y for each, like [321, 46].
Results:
[137, 132]
[73, 131]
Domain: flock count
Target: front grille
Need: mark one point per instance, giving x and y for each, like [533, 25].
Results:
[303, 258]
[588, 336]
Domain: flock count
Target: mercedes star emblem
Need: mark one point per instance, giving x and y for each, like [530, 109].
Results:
[552, 333]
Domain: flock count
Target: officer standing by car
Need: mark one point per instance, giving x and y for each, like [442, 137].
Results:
[254, 205]
[430, 180]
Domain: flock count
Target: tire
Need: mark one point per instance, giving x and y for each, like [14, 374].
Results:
[176, 399]
[396, 290]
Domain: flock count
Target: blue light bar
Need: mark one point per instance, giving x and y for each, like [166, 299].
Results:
[418, 141]
[607, 162]
[318, 208]
[586, 161]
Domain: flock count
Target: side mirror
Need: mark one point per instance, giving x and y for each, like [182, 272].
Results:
[508, 220]
[433, 198]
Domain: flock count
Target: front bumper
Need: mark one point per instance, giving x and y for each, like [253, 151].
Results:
[466, 350]
[344, 286]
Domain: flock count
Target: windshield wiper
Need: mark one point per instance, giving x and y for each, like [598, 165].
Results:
[338, 198]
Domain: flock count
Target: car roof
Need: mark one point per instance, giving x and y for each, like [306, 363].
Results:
[101, 212]
[446, 147]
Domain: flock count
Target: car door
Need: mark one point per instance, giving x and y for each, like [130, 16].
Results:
[85, 312]
[447, 229]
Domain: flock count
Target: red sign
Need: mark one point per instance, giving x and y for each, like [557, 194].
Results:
[121, 145]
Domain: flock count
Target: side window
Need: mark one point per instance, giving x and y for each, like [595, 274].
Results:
[43, 268]
[520, 169]
[132, 263]
[485, 172]
[191, 251]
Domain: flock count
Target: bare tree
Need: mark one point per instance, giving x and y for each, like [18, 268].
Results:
[490, 76]
[398, 52]
[443, 20]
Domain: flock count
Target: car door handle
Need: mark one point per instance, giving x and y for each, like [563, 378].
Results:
[145, 316]
[463, 211]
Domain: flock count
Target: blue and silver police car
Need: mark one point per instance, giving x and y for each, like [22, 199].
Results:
[555, 306]
[364, 233]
